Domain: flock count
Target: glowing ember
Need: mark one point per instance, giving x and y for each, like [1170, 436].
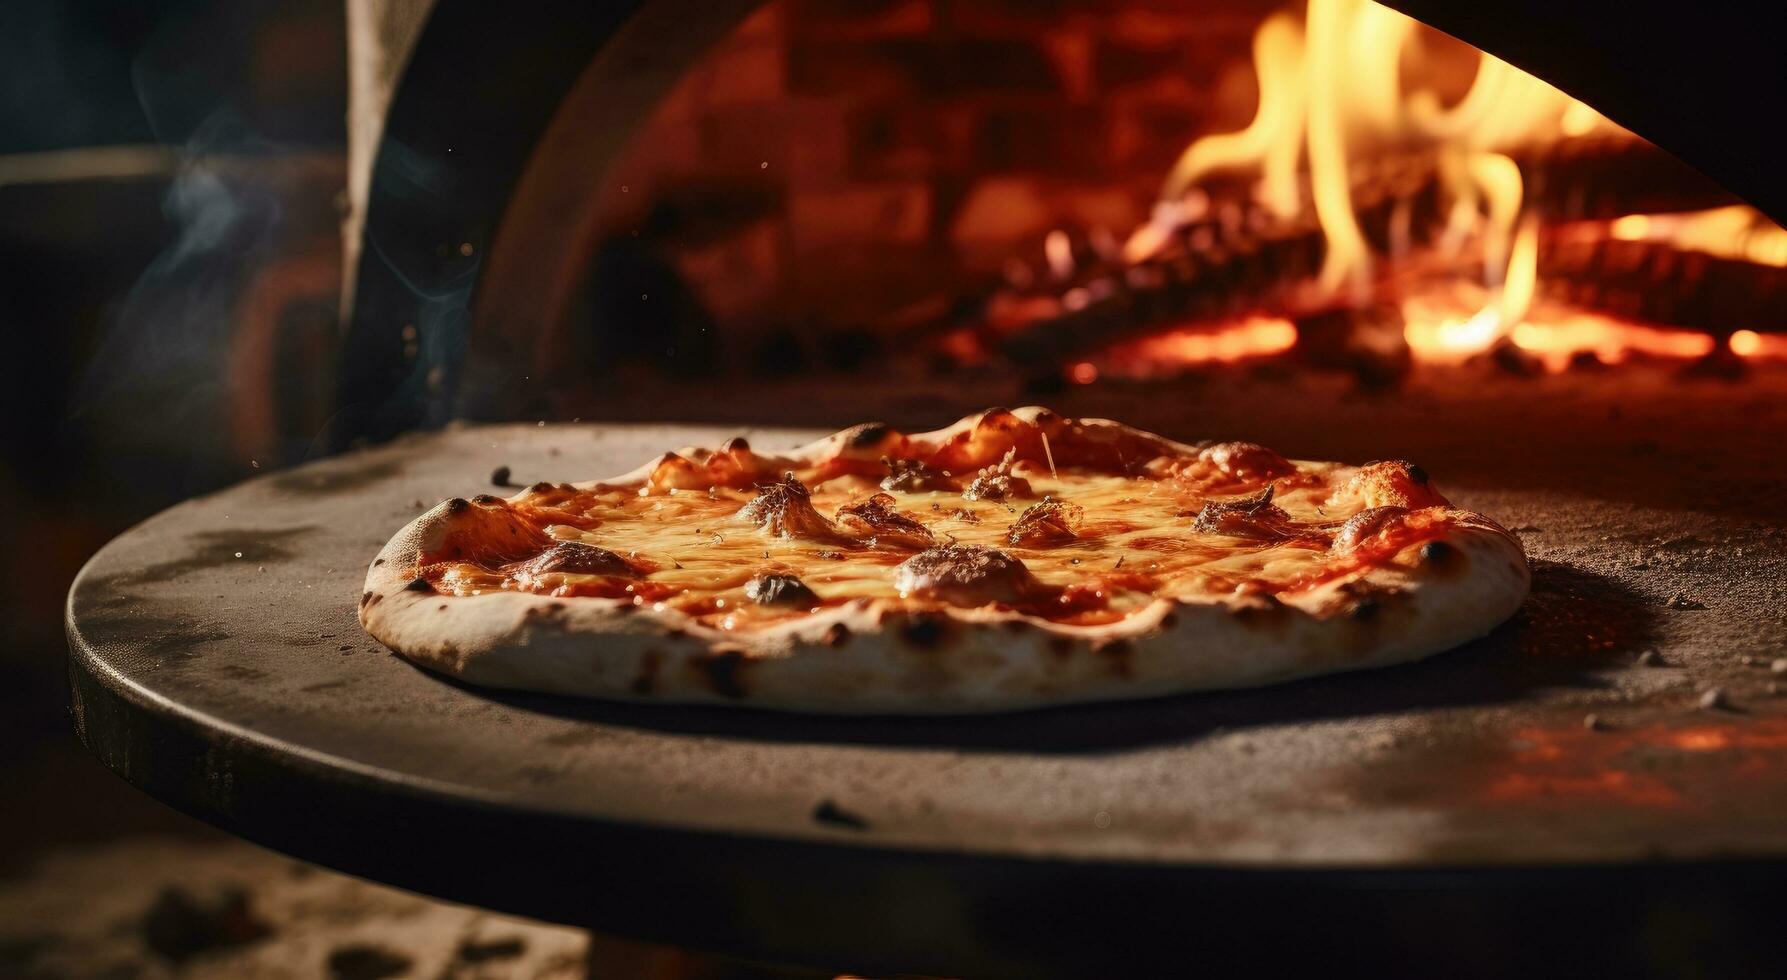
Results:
[1749, 343]
[1252, 337]
[1556, 341]
[1735, 232]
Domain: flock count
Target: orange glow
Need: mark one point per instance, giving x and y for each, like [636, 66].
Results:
[1613, 784]
[1084, 373]
[1257, 336]
[1746, 343]
[1555, 341]
[1570, 765]
[1737, 232]
[1059, 251]
[1555, 336]
[1454, 338]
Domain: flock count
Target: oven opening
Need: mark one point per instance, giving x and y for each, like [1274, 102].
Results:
[881, 201]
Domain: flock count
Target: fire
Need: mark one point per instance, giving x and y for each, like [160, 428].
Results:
[1353, 78]
[1333, 89]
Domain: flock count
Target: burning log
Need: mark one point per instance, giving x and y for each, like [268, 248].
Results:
[1236, 258]
[1656, 282]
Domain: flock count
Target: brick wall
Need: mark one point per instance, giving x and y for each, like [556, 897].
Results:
[902, 149]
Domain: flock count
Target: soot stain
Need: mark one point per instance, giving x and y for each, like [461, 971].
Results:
[211, 549]
[161, 640]
[829, 812]
[327, 480]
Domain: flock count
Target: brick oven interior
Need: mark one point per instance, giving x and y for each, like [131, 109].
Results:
[899, 209]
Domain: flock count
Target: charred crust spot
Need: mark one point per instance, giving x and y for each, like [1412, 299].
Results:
[1437, 552]
[1119, 654]
[541, 487]
[1263, 607]
[924, 632]
[827, 812]
[724, 670]
[441, 608]
[486, 500]
[868, 434]
[737, 444]
[376, 562]
[419, 584]
[500, 476]
[836, 635]
[645, 683]
[1415, 473]
[457, 504]
[365, 597]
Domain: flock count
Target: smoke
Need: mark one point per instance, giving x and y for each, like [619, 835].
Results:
[158, 379]
[155, 395]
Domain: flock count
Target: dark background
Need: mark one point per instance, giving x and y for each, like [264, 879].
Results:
[165, 166]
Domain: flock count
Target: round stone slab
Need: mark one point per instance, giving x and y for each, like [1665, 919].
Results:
[217, 664]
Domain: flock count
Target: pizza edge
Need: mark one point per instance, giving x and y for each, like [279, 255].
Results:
[870, 656]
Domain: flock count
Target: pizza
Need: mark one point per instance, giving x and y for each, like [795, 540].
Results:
[1012, 560]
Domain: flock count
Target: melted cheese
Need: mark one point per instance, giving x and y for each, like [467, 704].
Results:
[1135, 542]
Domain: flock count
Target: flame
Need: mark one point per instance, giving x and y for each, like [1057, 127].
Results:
[1271, 143]
[1334, 88]
[1351, 79]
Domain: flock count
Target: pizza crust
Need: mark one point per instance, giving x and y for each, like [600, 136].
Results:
[871, 657]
